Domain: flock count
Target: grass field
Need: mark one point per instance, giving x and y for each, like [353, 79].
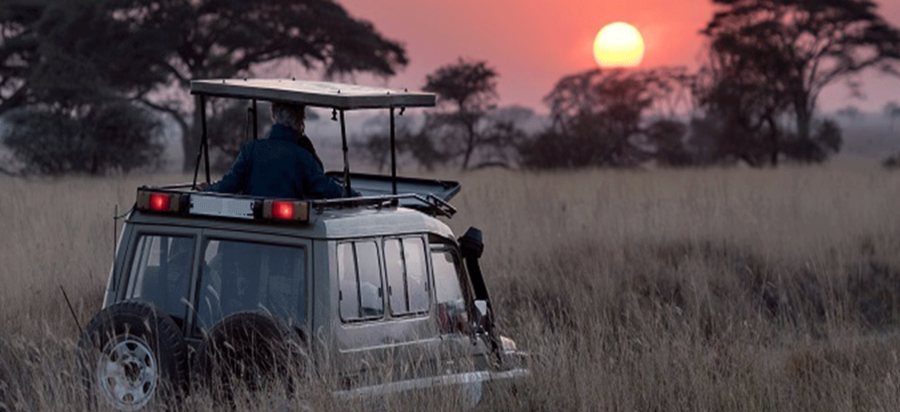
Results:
[719, 290]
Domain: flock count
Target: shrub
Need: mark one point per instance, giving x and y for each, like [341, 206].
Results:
[95, 141]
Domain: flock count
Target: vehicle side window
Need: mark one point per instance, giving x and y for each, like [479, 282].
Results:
[451, 305]
[241, 275]
[406, 274]
[359, 272]
[161, 271]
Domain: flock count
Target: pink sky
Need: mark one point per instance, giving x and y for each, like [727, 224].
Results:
[532, 43]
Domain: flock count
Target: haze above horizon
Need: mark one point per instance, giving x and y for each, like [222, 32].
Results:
[539, 41]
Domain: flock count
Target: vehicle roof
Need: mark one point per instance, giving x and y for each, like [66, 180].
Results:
[323, 224]
[313, 93]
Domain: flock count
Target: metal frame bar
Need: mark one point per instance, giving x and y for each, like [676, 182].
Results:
[205, 142]
[255, 121]
[346, 156]
[438, 206]
[200, 103]
[393, 155]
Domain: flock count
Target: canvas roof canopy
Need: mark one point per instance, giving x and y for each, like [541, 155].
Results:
[313, 93]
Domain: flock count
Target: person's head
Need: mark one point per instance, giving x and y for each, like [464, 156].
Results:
[290, 115]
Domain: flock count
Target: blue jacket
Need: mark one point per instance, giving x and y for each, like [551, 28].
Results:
[277, 167]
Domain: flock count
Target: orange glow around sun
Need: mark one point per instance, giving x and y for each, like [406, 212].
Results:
[618, 45]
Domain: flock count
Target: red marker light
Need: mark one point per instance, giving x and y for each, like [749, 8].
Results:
[160, 202]
[283, 210]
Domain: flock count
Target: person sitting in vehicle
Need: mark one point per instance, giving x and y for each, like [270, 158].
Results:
[284, 165]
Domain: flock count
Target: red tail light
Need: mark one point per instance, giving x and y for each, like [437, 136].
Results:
[292, 210]
[283, 210]
[160, 202]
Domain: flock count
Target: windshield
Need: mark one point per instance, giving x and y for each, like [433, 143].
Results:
[451, 302]
[240, 275]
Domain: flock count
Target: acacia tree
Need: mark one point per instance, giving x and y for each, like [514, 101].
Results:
[226, 38]
[160, 45]
[60, 93]
[77, 52]
[106, 137]
[466, 91]
[467, 128]
[796, 48]
[599, 119]
[738, 101]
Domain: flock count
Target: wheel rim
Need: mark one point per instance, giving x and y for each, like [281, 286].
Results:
[127, 373]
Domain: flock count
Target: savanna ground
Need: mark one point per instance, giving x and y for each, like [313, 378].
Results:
[717, 290]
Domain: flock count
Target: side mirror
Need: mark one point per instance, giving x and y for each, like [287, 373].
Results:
[470, 244]
[482, 321]
[482, 307]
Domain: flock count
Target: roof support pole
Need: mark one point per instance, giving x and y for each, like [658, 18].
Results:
[205, 136]
[346, 158]
[393, 155]
[255, 121]
[200, 103]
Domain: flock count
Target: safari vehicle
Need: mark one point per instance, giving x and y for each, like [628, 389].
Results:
[374, 291]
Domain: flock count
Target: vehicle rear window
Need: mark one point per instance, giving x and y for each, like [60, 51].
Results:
[161, 271]
[242, 275]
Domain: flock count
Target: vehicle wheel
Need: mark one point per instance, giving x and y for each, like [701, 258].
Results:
[251, 349]
[132, 354]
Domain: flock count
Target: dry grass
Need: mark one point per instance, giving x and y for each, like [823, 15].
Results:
[732, 290]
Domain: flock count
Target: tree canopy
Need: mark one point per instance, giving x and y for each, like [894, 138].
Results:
[113, 136]
[792, 49]
[467, 124]
[466, 91]
[64, 67]
[601, 118]
[67, 54]
[149, 50]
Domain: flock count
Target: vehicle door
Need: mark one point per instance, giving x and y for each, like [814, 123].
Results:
[241, 271]
[460, 350]
[159, 268]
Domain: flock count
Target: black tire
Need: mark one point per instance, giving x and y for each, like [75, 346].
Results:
[249, 349]
[132, 355]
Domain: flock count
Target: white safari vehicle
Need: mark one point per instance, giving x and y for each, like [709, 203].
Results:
[372, 294]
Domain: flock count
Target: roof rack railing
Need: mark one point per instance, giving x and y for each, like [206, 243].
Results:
[428, 203]
[172, 186]
[434, 204]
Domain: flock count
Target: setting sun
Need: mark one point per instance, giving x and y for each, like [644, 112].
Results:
[618, 45]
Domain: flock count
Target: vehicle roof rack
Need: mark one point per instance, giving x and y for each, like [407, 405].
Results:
[337, 96]
[426, 203]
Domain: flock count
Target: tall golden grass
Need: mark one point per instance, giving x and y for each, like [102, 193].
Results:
[737, 290]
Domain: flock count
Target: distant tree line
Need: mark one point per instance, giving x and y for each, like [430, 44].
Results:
[754, 100]
[85, 85]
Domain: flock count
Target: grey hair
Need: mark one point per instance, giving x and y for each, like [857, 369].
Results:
[290, 115]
